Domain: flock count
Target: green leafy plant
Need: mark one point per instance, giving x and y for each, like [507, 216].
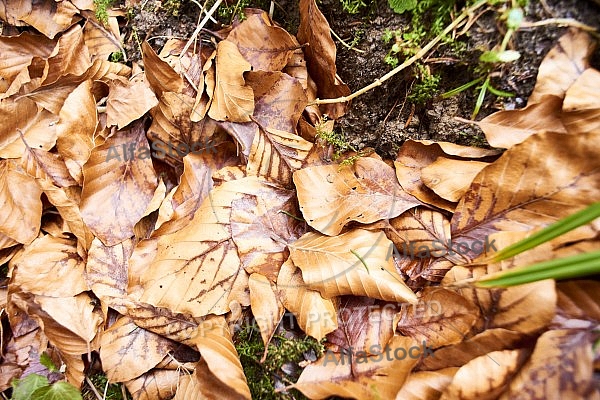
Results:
[490, 60]
[37, 387]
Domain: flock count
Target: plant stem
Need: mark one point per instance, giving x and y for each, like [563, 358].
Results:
[420, 54]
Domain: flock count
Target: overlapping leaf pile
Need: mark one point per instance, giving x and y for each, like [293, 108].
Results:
[121, 245]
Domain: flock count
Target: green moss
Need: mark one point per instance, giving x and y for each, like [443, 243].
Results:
[101, 9]
[261, 376]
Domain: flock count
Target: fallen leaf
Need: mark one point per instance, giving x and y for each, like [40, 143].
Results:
[265, 46]
[155, 385]
[450, 179]
[128, 351]
[484, 377]
[123, 188]
[233, 99]
[320, 57]
[266, 307]
[565, 359]
[21, 204]
[581, 110]
[330, 196]
[440, 318]
[519, 194]
[563, 65]
[315, 315]
[426, 385]
[128, 100]
[357, 262]
[375, 377]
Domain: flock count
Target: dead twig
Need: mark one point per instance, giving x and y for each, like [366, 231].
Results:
[420, 54]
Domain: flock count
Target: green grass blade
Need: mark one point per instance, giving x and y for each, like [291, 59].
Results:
[561, 268]
[550, 232]
[461, 88]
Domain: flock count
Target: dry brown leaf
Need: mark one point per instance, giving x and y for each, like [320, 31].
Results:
[581, 109]
[221, 369]
[106, 270]
[521, 190]
[507, 128]
[173, 281]
[128, 351]
[53, 178]
[364, 324]
[358, 262]
[38, 127]
[100, 42]
[123, 189]
[419, 233]
[195, 183]
[330, 196]
[157, 384]
[161, 76]
[49, 18]
[490, 340]
[128, 100]
[440, 318]
[261, 226]
[484, 377]
[316, 316]
[320, 57]
[373, 378]
[525, 308]
[75, 130]
[276, 150]
[70, 56]
[233, 99]
[21, 210]
[49, 266]
[579, 299]
[265, 46]
[18, 53]
[266, 306]
[426, 385]
[412, 157]
[564, 358]
[450, 179]
[563, 65]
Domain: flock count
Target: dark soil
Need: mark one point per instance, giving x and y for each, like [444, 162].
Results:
[382, 118]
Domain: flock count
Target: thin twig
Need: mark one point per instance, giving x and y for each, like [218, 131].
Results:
[344, 43]
[378, 82]
[561, 22]
[200, 26]
[93, 388]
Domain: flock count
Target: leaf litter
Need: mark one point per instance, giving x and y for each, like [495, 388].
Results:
[146, 209]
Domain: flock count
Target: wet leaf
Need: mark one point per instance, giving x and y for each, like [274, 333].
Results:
[266, 306]
[330, 196]
[450, 179]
